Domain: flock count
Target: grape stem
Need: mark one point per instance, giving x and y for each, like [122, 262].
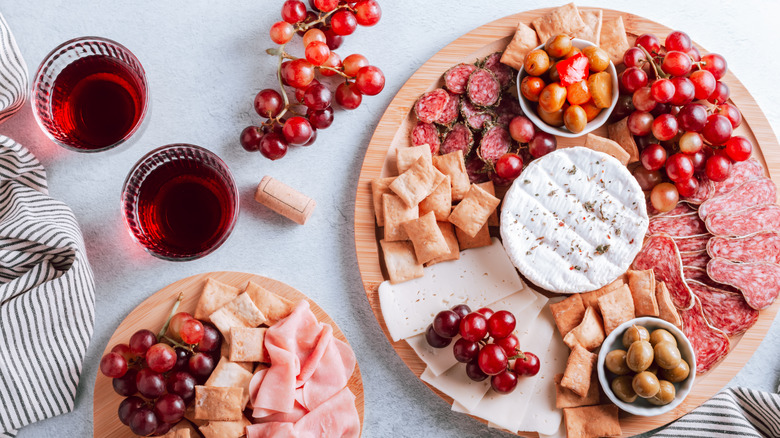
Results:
[176, 343]
[168, 321]
[519, 355]
[658, 73]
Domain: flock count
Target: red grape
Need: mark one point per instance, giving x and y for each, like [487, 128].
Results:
[310, 17]
[313, 35]
[679, 167]
[143, 422]
[343, 22]
[643, 100]
[542, 144]
[320, 119]
[694, 54]
[313, 138]
[692, 117]
[487, 312]
[348, 96]
[446, 323]
[634, 57]
[647, 179]
[717, 130]
[128, 407]
[462, 310]
[678, 40]
[521, 129]
[113, 365]
[492, 359]
[353, 63]
[317, 53]
[690, 143]
[731, 112]
[623, 108]
[684, 91]
[717, 168]
[653, 157]
[509, 166]
[510, 344]
[676, 63]
[528, 365]
[640, 123]
[124, 350]
[633, 79]
[250, 138]
[650, 42]
[273, 146]
[192, 331]
[699, 160]
[317, 97]
[169, 408]
[182, 384]
[201, 365]
[661, 108]
[298, 74]
[150, 383]
[293, 11]
[715, 64]
[688, 187]
[720, 94]
[367, 12]
[739, 148]
[332, 40]
[141, 341]
[497, 180]
[282, 32]
[501, 324]
[334, 61]
[297, 130]
[370, 80]
[125, 385]
[182, 358]
[662, 90]
[473, 327]
[474, 372]
[434, 340]
[161, 357]
[268, 103]
[212, 339]
[703, 82]
[326, 5]
[162, 428]
[504, 382]
[465, 351]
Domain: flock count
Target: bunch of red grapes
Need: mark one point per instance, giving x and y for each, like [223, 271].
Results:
[158, 374]
[323, 30]
[487, 344]
[678, 111]
[533, 144]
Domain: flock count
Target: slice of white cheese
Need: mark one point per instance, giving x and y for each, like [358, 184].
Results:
[481, 276]
[437, 360]
[455, 383]
[574, 220]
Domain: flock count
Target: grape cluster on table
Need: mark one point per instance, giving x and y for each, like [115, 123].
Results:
[158, 376]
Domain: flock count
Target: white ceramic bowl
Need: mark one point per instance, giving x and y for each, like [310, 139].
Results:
[530, 111]
[641, 406]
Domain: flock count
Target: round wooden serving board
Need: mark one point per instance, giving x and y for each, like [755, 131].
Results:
[151, 314]
[393, 132]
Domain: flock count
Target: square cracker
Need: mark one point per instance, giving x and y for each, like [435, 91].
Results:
[379, 187]
[666, 309]
[579, 369]
[481, 239]
[406, 157]
[565, 398]
[590, 332]
[590, 299]
[524, 40]
[183, 429]
[616, 308]
[215, 295]
[417, 182]
[229, 374]
[426, 237]
[241, 312]
[592, 30]
[439, 202]
[452, 164]
[619, 132]
[489, 187]
[225, 429]
[448, 231]
[218, 404]
[609, 147]
[614, 40]
[397, 212]
[473, 211]
[564, 19]
[274, 306]
[592, 421]
[568, 313]
[642, 286]
[400, 261]
[246, 344]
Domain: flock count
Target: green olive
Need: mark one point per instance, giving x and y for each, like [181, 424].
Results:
[645, 384]
[635, 333]
[665, 395]
[536, 62]
[667, 356]
[623, 389]
[573, 52]
[639, 356]
[558, 46]
[662, 335]
[598, 59]
[553, 97]
[554, 118]
[553, 72]
[575, 118]
[678, 373]
[616, 362]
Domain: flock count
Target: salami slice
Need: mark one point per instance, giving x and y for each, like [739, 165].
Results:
[483, 88]
[700, 275]
[682, 209]
[724, 310]
[693, 243]
[430, 105]
[759, 282]
[426, 133]
[741, 172]
[475, 118]
[759, 247]
[696, 259]
[459, 138]
[476, 169]
[507, 110]
[710, 345]
[750, 194]
[503, 72]
[745, 222]
[456, 78]
[677, 226]
[495, 143]
[660, 254]
[451, 111]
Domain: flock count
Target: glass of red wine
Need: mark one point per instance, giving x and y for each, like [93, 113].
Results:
[180, 202]
[90, 94]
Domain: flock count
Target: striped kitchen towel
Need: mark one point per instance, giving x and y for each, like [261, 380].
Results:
[13, 74]
[734, 412]
[47, 295]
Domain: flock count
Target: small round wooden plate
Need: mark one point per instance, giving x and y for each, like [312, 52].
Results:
[393, 132]
[151, 314]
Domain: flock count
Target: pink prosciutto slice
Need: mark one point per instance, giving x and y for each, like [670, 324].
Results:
[725, 310]
[759, 282]
[660, 254]
[710, 344]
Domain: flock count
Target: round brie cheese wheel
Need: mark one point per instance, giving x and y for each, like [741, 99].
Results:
[574, 220]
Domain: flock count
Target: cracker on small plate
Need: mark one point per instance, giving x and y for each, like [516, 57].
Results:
[452, 164]
[609, 147]
[400, 261]
[215, 295]
[614, 40]
[246, 344]
[397, 212]
[241, 312]
[565, 19]
[439, 202]
[218, 404]
[592, 421]
[592, 30]
[579, 368]
[524, 40]
[228, 374]
[616, 308]
[448, 231]
[481, 239]
[619, 132]
[590, 299]
[426, 237]
[225, 429]
[565, 398]
[472, 213]
[666, 309]
[642, 286]
[406, 157]
[417, 182]
[274, 306]
[489, 187]
[379, 187]
[589, 333]
[568, 313]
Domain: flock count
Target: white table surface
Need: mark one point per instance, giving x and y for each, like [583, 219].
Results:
[205, 61]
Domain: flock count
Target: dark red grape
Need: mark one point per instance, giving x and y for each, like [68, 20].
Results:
[298, 73]
[739, 148]
[312, 139]
[492, 359]
[717, 130]
[268, 103]
[370, 80]
[462, 310]
[715, 64]
[623, 108]
[679, 167]
[150, 383]
[161, 357]
[182, 384]
[688, 187]
[650, 42]
[509, 166]
[703, 82]
[634, 57]
[141, 341]
[293, 11]
[487, 312]
[128, 407]
[678, 40]
[212, 339]
[434, 340]
[297, 130]
[718, 168]
[661, 108]
[501, 324]
[317, 97]
[542, 144]
[684, 91]
[633, 79]
[528, 365]
[124, 350]
[273, 146]
[504, 382]
[125, 385]
[250, 138]
[510, 344]
[640, 123]
[143, 422]
[465, 351]
[521, 129]
[343, 22]
[473, 327]
[662, 90]
[113, 365]
[169, 408]
[720, 94]
[332, 40]
[730, 112]
[320, 119]
[699, 160]
[647, 179]
[162, 428]
[201, 365]
[446, 323]
[182, 358]
[653, 157]
[474, 372]
[348, 96]
[692, 117]
[676, 63]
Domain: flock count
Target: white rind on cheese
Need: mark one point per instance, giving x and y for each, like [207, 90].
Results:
[481, 276]
[561, 213]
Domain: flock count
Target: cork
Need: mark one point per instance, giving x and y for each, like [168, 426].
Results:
[284, 200]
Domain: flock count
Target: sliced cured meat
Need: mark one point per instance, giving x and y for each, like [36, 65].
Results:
[750, 194]
[682, 209]
[741, 172]
[502, 72]
[451, 111]
[660, 254]
[697, 259]
[507, 110]
[483, 88]
[475, 118]
[430, 105]
[456, 78]
[495, 142]
[759, 282]
[459, 138]
[744, 222]
[426, 133]
[476, 169]
[759, 247]
[710, 344]
[702, 193]
[725, 310]
[692, 243]
[700, 275]
[677, 226]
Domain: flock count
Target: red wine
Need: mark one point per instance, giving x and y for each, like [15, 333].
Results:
[96, 102]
